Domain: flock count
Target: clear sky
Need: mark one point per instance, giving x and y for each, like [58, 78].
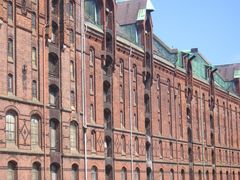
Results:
[213, 26]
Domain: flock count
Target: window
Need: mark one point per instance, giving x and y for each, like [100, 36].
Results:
[199, 175]
[53, 95]
[71, 36]
[92, 11]
[93, 141]
[124, 174]
[161, 174]
[33, 21]
[171, 149]
[158, 104]
[160, 149]
[72, 99]
[123, 144]
[35, 131]
[72, 70]
[54, 136]
[71, 9]
[171, 174]
[10, 48]
[54, 171]
[137, 174]
[10, 83]
[121, 93]
[36, 171]
[158, 82]
[10, 10]
[11, 127]
[182, 174]
[92, 118]
[53, 65]
[73, 135]
[122, 119]
[169, 107]
[75, 170]
[182, 152]
[199, 153]
[135, 121]
[121, 68]
[91, 85]
[94, 173]
[134, 72]
[54, 32]
[91, 57]
[134, 97]
[136, 146]
[12, 171]
[34, 89]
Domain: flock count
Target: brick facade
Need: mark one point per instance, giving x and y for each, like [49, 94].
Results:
[193, 125]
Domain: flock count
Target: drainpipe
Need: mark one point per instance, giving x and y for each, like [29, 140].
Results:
[202, 132]
[44, 105]
[130, 107]
[83, 88]
[175, 114]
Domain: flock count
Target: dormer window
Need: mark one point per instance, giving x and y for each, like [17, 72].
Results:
[92, 11]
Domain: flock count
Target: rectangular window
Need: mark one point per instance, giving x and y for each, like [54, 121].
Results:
[10, 10]
[135, 120]
[34, 89]
[10, 128]
[91, 113]
[10, 83]
[10, 48]
[121, 93]
[72, 70]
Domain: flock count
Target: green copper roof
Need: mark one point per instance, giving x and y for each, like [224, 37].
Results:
[141, 14]
[150, 6]
[237, 74]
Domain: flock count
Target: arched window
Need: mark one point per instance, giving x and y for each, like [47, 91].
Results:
[134, 72]
[71, 36]
[123, 144]
[35, 131]
[137, 174]
[72, 99]
[53, 65]
[221, 176]
[93, 140]
[11, 118]
[92, 117]
[91, 85]
[75, 170]
[33, 21]
[10, 10]
[36, 171]
[53, 95]
[182, 151]
[91, 57]
[34, 89]
[34, 57]
[199, 175]
[54, 168]
[160, 149]
[94, 175]
[72, 70]
[12, 171]
[124, 174]
[171, 174]
[207, 175]
[73, 135]
[182, 174]
[71, 9]
[54, 135]
[161, 174]
[10, 83]
[136, 145]
[121, 93]
[10, 47]
[121, 68]
[171, 149]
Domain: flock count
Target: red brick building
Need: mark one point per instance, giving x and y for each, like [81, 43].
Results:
[87, 91]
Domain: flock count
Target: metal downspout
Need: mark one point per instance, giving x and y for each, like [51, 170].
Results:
[130, 107]
[83, 88]
[202, 131]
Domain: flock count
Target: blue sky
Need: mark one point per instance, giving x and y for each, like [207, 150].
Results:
[213, 26]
